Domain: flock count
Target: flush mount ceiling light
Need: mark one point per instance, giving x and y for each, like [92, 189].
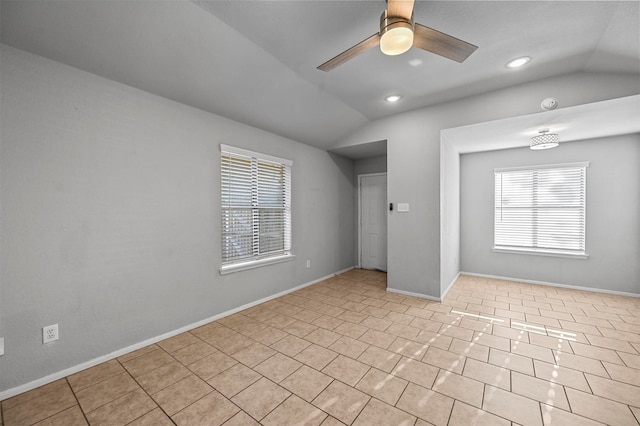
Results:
[544, 140]
[393, 98]
[396, 34]
[517, 63]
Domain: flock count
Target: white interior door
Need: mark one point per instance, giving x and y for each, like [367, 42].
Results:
[373, 221]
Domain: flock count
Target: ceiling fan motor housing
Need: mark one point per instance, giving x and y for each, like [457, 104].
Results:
[396, 34]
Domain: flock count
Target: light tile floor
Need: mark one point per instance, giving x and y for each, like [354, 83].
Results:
[345, 351]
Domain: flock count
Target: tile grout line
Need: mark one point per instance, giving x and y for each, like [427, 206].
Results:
[143, 389]
[396, 336]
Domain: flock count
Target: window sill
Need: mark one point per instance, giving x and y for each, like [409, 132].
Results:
[540, 253]
[237, 267]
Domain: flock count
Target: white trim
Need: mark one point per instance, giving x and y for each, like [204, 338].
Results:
[243, 266]
[253, 154]
[412, 294]
[104, 358]
[340, 272]
[540, 252]
[444, 293]
[549, 284]
[360, 212]
[584, 164]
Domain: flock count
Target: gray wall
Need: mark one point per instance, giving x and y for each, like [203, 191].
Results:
[449, 215]
[111, 222]
[370, 165]
[613, 208]
[413, 151]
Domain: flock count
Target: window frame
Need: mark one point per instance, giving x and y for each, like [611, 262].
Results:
[257, 260]
[533, 249]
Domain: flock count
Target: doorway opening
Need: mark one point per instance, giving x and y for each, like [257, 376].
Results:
[372, 221]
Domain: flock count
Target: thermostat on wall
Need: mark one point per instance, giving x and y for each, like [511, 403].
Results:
[403, 207]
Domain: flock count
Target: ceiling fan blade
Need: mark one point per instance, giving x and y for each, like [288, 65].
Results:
[400, 8]
[442, 44]
[351, 52]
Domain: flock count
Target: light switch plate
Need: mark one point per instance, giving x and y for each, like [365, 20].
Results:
[403, 207]
[1, 346]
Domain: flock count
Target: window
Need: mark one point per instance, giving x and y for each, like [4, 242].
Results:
[256, 209]
[541, 210]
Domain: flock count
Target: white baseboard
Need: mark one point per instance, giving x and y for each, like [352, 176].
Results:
[99, 360]
[549, 284]
[409, 293]
[424, 296]
[333, 275]
[444, 293]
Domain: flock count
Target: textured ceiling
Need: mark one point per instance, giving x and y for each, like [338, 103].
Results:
[255, 61]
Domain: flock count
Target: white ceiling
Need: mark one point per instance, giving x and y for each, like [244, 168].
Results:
[594, 120]
[255, 61]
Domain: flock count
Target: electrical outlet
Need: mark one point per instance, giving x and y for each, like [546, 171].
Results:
[50, 333]
[308, 263]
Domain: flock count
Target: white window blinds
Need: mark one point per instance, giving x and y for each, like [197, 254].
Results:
[256, 206]
[541, 209]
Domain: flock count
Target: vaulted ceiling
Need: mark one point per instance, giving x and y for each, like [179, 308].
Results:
[255, 61]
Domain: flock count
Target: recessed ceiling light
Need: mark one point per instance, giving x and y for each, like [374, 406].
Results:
[517, 63]
[415, 62]
[393, 98]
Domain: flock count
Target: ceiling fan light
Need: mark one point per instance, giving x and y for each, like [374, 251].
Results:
[396, 34]
[544, 140]
[396, 40]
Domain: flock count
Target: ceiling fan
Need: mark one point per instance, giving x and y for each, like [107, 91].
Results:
[398, 33]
